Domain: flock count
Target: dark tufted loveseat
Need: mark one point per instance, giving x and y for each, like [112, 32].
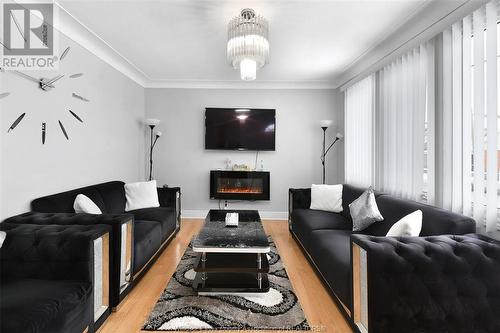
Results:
[325, 237]
[118, 225]
[138, 236]
[429, 284]
[48, 278]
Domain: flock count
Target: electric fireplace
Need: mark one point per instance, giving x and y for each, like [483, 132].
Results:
[239, 185]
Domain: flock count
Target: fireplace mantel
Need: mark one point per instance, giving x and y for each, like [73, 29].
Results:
[239, 185]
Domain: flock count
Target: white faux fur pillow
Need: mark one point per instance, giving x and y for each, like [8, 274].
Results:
[84, 204]
[408, 226]
[141, 195]
[326, 197]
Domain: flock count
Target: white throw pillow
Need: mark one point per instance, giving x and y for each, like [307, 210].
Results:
[141, 195]
[84, 204]
[3, 235]
[408, 226]
[326, 197]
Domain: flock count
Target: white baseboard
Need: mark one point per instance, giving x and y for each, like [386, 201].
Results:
[265, 215]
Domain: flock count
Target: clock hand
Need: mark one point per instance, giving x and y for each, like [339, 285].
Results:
[29, 77]
[26, 76]
[53, 80]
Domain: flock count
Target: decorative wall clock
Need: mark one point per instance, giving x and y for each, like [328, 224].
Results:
[46, 85]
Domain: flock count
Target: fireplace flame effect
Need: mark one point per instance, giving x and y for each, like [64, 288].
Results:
[239, 190]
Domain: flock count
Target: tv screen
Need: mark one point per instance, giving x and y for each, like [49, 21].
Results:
[240, 129]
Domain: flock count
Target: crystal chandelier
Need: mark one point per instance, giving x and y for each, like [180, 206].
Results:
[247, 43]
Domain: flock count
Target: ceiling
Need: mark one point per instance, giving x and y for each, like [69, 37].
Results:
[184, 40]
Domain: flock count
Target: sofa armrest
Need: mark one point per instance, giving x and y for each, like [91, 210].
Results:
[171, 197]
[422, 284]
[298, 198]
[69, 219]
[54, 252]
[121, 241]
[49, 253]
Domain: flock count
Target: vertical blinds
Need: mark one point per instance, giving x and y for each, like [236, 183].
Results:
[408, 119]
[405, 106]
[470, 116]
[359, 109]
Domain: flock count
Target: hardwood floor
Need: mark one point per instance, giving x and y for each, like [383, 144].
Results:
[321, 311]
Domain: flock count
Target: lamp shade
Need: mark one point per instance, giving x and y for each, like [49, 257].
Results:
[158, 133]
[325, 123]
[340, 136]
[151, 121]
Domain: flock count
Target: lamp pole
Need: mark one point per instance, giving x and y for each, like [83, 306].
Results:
[324, 126]
[324, 152]
[151, 153]
[151, 123]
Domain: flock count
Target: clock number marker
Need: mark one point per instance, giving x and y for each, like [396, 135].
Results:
[65, 52]
[76, 116]
[63, 130]
[74, 76]
[16, 122]
[80, 97]
[5, 94]
[44, 129]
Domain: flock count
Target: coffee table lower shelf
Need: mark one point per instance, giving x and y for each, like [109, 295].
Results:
[230, 283]
[231, 273]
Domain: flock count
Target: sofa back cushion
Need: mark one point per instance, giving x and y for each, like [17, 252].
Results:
[109, 197]
[435, 221]
[113, 195]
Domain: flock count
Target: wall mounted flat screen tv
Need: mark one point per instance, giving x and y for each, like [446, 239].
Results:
[240, 129]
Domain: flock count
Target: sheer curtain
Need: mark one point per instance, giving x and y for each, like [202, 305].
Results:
[405, 125]
[359, 109]
[470, 116]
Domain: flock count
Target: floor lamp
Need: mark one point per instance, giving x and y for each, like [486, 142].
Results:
[324, 126]
[152, 123]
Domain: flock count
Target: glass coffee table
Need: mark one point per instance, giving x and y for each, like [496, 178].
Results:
[231, 260]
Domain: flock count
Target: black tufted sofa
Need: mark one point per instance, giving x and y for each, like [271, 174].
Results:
[47, 278]
[117, 224]
[430, 284]
[138, 237]
[325, 237]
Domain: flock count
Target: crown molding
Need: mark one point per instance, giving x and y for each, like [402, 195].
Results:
[427, 23]
[238, 84]
[77, 31]
[74, 29]
[83, 35]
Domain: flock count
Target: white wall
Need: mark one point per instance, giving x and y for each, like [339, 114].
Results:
[108, 146]
[181, 160]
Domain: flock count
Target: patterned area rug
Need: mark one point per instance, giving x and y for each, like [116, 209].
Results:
[180, 308]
